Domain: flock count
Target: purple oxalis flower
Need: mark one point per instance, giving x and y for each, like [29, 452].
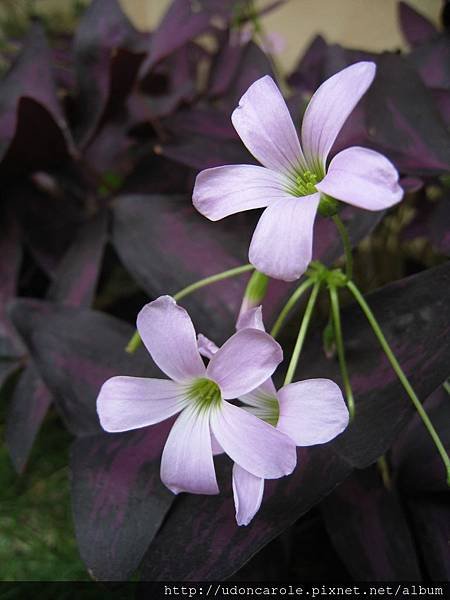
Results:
[310, 412]
[295, 179]
[200, 395]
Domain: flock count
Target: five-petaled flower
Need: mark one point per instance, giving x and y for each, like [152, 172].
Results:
[310, 412]
[295, 177]
[200, 395]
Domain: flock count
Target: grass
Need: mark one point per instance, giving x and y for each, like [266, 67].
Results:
[37, 541]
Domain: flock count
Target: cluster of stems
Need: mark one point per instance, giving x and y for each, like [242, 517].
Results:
[319, 277]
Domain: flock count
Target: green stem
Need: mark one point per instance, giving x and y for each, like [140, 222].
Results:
[385, 473]
[135, 341]
[347, 245]
[302, 334]
[401, 375]
[446, 385]
[289, 306]
[335, 309]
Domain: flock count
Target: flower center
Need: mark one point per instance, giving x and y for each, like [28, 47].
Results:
[205, 393]
[304, 184]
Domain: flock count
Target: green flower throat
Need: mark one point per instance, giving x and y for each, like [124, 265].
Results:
[205, 393]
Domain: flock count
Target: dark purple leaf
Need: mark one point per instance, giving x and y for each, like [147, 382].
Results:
[10, 261]
[27, 409]
[170, 83]
[445, 15]
[430, 518]
[201, 152]
[432, 221]
[75, 351]
[111, 150]
[327, 245]
[30, 84]
[369, 530]
[189, 247]
[432, 61]
[108, 52]
[225, 66]
[414, 311]
[165, 244]
[208, 122]
[76, 279]
[155, 174]
[74, 285]
[253, 64]
[415, 459]
[199, 522]
[442, 100]
[184, 21]
[416, 28]
[118, 499]
[49, 220]
[309, 72]
[439, 225]
[412, 133]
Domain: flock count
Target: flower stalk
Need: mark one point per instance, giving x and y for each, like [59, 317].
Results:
[302, 333]
[347, 245]
[336, 316]
[290, 305]
[135, 341]
[401, 375]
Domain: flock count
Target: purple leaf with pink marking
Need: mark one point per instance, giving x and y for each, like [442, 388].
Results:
[108, 53]
[74, 285]
[198, 520]
[204, 152]
[27, 409]
[369, 529]
[10, 261]
[416, 28]
[29, 89]
[308, 74]
[412, 133]
[430, 518]
[75, 351]
[118, 499]
[188, 248]
[182, 23]
[432, 62]
[416, 311]
[415, 459]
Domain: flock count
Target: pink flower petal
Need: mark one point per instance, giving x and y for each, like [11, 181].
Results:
[312, 411]
[167, 331]
[247, 358]
[264, 124]
[206, 347]
[330, 107]
[215, 446]
[126, 403]
[364, 178]
[281, 246]
[248, 492]
[251, 319]
[223, 191]
[253, 444]
[187, 461]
